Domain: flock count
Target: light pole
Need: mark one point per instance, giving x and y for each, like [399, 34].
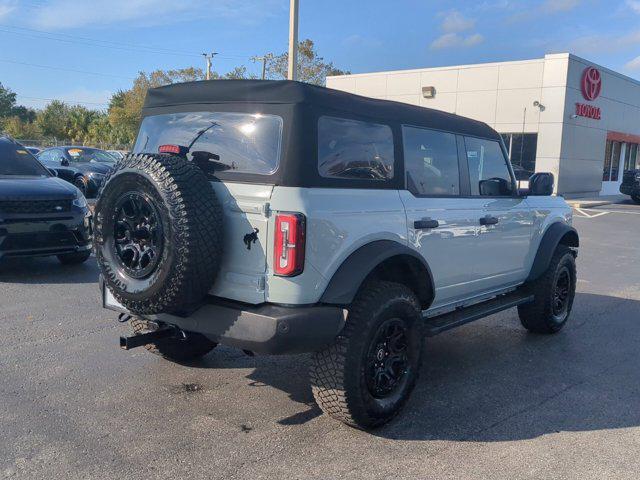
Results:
[293, 41]
[208, 57]
[262, 59]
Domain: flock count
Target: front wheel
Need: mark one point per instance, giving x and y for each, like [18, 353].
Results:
[367, 375]
[553, 295]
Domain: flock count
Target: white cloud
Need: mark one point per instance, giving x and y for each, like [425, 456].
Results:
[360, 41]
[6, 8]
[453, 25]
[634, 5]
[451, 40]
[454, 21]
[633, 64]
[604, 43]
[61, 14]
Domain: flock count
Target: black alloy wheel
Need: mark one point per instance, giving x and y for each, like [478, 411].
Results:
[138, 234]
[561, 293]
[387, 360]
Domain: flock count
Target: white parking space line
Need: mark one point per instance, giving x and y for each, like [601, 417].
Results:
[585, 214]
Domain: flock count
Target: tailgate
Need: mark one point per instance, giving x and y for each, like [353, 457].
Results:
[244, 262]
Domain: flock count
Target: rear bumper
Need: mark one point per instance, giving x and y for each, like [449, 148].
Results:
[264, 329]
[631, 190]
[42, 235]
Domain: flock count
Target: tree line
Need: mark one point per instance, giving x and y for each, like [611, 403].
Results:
[116, 127]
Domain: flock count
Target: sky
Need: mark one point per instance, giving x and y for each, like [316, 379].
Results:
[84, 50]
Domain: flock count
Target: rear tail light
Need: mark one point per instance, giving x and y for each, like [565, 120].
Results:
[288, 258]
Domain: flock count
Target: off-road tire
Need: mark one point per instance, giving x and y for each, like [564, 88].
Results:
[337, 373]
[74, 258]
[636, 199]
[538, 316]
[191, 218]
[191, 347]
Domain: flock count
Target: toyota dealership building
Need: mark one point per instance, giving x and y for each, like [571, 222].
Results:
[559, 114]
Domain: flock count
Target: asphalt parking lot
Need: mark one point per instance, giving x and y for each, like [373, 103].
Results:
[493, 401]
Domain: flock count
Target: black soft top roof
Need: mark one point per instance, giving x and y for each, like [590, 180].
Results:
[289, 92]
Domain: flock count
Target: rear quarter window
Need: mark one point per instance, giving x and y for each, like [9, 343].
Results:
[352, 149]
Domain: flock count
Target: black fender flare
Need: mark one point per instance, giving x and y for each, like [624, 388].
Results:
[556, 233]
[346, 281]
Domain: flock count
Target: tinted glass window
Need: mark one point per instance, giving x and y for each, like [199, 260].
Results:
[522, 153]
[86, 155]
[488, 169]
[355, 150]
[431, 162]
[16, 160]
[44, 156]
[238, 142]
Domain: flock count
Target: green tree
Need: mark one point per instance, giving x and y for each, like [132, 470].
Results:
[21, 129]
[311, 67]
[79, 120]
[7, 102]
[53, 120]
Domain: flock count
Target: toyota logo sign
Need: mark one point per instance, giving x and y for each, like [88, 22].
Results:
[591, 83]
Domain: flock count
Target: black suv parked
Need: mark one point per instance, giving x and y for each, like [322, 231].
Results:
[631, 184]
[40, 214]
[85, 167]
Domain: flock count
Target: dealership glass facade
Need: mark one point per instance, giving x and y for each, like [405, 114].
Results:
[612, 155]
[522, 149]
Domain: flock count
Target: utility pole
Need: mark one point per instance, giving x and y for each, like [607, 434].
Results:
[262, 59]
[293, 40]
[209, 57]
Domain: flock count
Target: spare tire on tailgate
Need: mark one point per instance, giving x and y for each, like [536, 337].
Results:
[158, 234]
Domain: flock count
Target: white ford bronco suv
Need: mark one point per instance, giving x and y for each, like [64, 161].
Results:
[282, 218]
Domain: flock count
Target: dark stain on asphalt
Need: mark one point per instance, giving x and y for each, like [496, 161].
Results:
[187, 388]
[245, 428]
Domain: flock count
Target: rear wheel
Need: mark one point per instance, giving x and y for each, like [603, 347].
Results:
[636, 198]
[553, 295]
[367, 375]
[74, 258]
[188, 347]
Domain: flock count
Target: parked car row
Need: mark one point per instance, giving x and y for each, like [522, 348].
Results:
[84, 167]
[40, 215]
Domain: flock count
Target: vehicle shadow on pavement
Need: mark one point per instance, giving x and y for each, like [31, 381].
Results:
[493, 381]
[46, 271]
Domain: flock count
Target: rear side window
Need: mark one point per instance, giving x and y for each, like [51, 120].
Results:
[431, 162]
[488, 171]
[352, 149]
[231, 142]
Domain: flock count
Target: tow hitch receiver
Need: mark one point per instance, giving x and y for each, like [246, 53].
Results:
[127, 343]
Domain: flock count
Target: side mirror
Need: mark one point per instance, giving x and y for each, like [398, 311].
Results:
[541, 184]
[64, 162]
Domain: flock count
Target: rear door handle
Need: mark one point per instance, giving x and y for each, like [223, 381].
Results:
[425, 224]
[489, 220]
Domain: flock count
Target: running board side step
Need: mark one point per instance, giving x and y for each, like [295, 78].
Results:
[463, 315]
